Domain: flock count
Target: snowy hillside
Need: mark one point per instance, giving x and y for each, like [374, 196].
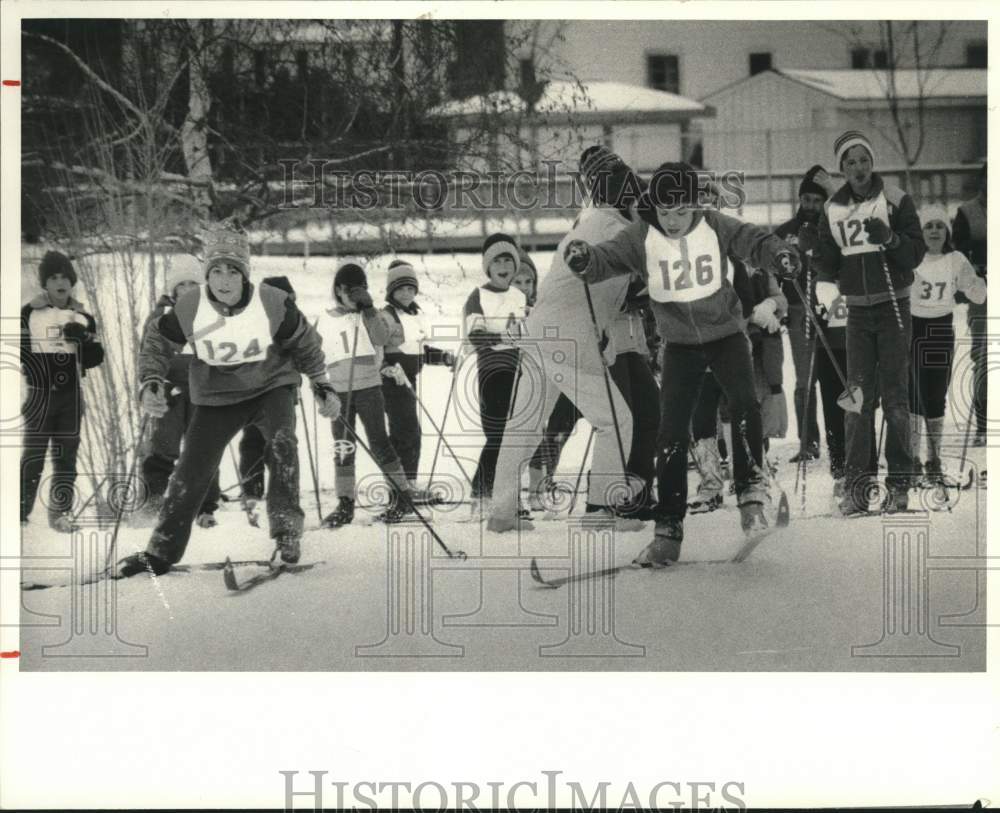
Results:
[805, 599]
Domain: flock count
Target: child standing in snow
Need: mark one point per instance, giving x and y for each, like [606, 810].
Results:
[58, 345]
[406, 352]
[942, 273]
[354, 335]
[490, 312]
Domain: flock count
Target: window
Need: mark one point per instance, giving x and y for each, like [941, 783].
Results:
[975, 55]
[663, 72]
[863, 57]
[880, 59]
[526, 68]
[760, 62]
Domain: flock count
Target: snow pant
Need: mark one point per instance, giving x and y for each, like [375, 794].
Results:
[830, 390]
[368, 405]
[705, 420]
[683, 369]
[208, 435]
[575, 370]
[634, 378]
[802, 350]
[558, 429]
[164, 449]
[495, 378]
[931, 351]
[768, 359]
[404, 424]
[51, 418]
[878, 356]
[253, 453]
[979, 352]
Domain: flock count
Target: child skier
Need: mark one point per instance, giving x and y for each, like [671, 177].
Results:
[490, 311]
[406, 351]
[165, 440]
[683, 253]
[252, 345]
[354, 335]
[58, 345]
[869, 243]
[942, 273]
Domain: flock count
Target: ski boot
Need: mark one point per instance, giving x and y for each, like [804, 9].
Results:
[141, 563]
[289, 547]
[605, 514]
[480, 509]
[703, 504]
[810, 452]
[342, 515]
[206, 520]
[896, 500]
[665, 549]
[752, 518]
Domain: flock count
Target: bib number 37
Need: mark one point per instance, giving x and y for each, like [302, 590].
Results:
[678, 276]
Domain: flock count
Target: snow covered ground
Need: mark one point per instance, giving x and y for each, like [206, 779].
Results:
[809, 598]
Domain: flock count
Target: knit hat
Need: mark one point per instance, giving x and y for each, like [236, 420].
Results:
[400, 273]
[527, 264]
[224, 243]
[55, 262]
[809, 185]
[609, 179]
[282, 284]
[673, 185]
[183, 268]
[852, 138]
[351, 275]
[497, 244]
[933, 211]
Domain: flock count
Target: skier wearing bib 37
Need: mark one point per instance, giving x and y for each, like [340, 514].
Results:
[683, 252]
[869, 243]
[252, 345]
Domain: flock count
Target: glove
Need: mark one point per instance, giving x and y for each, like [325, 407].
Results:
[577, 256]
[808, 238]
[878, 231]
[449, 359]
[327, 400]
[787, 264]
[514, 331]
[396, 373]
[360, 297]
[74, 332]
[821, 312]
[153, 401]
[764, 316]
[826, 294]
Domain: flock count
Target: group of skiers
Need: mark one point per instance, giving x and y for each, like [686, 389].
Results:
[863, 282]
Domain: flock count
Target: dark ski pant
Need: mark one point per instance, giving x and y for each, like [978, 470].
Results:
[830, 390]
[253, 454]
[209, 433]
[683, 369]
[802, 350]
[878, 360]
[558, 428]
[404, 424]
[52, 419]
[705, 420]
[931, 351]
[165, 448]
[496, 388]
[632, 374]
[368, 405]
[980, 356]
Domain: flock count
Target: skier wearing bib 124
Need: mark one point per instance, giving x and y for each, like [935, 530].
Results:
[252, 346]
[683, 251]
[869, 243]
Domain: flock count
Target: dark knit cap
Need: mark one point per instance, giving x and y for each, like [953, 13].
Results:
[351, 275]
[609, 179]
[281, 283]
[674, 184]
[498, 244]
[400, 273]
[55, 262]
[809, 185]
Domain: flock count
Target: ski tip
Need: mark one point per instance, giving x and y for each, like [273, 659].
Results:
[229, 576]
[784, 514]
[536, 574]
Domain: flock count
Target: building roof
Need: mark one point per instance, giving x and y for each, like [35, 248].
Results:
[869, 85]
[614, 101]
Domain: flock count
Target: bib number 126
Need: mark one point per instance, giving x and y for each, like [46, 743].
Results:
[703, 273]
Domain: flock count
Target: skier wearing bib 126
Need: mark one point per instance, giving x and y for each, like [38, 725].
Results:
[869, 243]
[683, 251]
[252, 346]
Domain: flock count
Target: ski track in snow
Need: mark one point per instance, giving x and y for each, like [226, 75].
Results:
[803, 599]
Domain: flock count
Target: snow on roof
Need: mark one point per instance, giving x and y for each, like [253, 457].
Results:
[560, 96]
[862, 85]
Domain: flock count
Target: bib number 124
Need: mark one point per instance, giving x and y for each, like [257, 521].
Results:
[703, 273]
[228, 351]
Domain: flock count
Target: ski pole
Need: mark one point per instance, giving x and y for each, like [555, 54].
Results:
[579, 476]
[804, 433]
[312, 464]
[437, 429]
[251, 517]
[456, 554]
[109, 558]
[444, 420]
[892, 290]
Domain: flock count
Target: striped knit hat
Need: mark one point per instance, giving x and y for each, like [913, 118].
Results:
[497, 244]
[400, 273]
[852, 138]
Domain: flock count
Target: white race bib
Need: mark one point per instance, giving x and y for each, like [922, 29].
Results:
[686, 269]
[338, 331]
[847, 224]
[934, 282]
[414, 332]
[225, 341]
[838, 313]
